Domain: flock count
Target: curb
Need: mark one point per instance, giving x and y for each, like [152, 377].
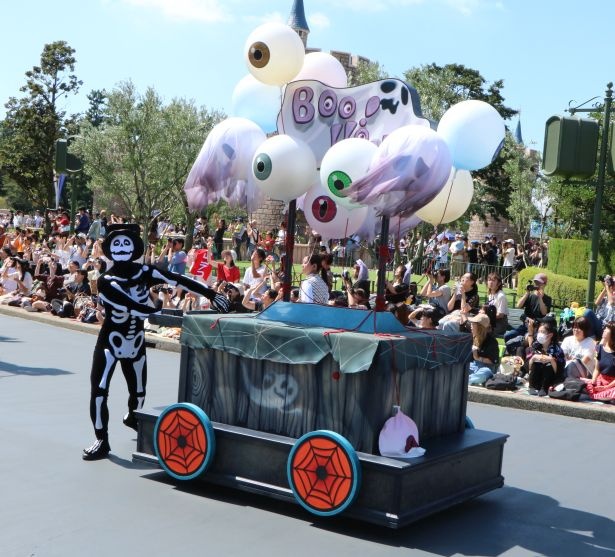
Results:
[152, 340]
[588, 411]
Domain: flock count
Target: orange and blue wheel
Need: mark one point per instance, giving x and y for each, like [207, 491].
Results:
[184, 441]
[324, 472]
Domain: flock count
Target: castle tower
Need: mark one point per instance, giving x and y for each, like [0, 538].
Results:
[297, 21]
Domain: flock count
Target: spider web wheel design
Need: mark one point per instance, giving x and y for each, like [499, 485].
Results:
[324, 473]
[184, 441]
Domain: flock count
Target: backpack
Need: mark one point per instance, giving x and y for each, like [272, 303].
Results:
[501, 382]
[572, 389]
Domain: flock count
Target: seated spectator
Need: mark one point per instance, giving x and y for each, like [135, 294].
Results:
[545, 358]
[602, 384]
[438, 293]
[361, 276]
[462, 305]
[227, 271]
[38, 294]
[22, 278]
[402, 313]
[397, 291]
[579, 350]
[256, 271]
[605, 308]
[497, 298]
[485, 351]
[313, 289]
[358, 298]
[252, 304]
[535, 304]
[425, 317]
[326, 273]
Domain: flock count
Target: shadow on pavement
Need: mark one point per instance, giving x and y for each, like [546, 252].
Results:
[8, 339]
[14, 369]
[490, 525]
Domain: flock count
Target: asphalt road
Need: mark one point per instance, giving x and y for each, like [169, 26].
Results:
[558, 500]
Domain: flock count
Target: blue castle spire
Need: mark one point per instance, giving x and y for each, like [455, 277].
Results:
[518, 136]
[296, 19]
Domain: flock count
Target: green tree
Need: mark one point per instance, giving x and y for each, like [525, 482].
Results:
[96, 113]
[521, 172]
[366, 72]
[34, 122]
[439, 88]
[140, 157]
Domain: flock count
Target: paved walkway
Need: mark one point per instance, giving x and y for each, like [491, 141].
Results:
[585, 410]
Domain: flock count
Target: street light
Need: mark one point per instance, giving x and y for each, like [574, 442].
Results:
[604, 143]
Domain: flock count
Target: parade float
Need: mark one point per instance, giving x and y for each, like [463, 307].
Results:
[339, 410]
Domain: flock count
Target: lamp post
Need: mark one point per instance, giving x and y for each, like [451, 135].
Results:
[593, 258]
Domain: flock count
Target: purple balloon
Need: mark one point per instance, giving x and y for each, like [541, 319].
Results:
[407, 171]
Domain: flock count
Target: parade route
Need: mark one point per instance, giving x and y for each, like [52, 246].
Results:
[557, 500]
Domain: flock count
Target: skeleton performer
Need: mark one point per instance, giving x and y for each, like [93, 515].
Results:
[124, 292]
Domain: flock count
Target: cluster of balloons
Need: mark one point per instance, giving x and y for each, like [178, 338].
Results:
[414, 173]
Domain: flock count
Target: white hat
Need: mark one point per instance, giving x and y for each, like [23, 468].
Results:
[509, 241]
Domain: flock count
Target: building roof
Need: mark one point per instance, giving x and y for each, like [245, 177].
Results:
[296, 19]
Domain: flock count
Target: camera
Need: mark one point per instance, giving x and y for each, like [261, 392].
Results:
[607, 280]
[346, 275]
[530, 286]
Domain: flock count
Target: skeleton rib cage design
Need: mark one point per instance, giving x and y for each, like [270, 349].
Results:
[124, 293]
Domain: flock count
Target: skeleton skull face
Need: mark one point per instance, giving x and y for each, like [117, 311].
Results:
[122, 248]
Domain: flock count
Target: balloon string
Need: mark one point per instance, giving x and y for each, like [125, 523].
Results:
[448, 198]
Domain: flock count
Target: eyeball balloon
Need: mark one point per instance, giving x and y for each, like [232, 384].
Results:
[258, 102]
[325, 68]
[284, 168]
[274, 53]
[452, 201]
[344, 163]
[474, 132]
[328, 218]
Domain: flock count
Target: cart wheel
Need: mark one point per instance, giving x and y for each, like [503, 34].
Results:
[469, 423]
[324, 472]
[184, 441]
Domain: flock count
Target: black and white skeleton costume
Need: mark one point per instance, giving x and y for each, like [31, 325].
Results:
[124, 292]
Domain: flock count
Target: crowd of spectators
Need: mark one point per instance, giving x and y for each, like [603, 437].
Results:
[58, 273]
[482, 257]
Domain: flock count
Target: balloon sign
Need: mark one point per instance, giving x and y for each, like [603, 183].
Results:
[274, 53]
[328, 218]
[407, 171]
[323, 67]
[257, 102]
[452, 202]
[284, 168]
[344, 163]
[474, 132]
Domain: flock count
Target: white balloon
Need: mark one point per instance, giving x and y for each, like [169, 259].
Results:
[344, 163]
[325, 68]
[284, 168]
[452, 202]
[258, 102]
[328, 218]
[274, 53]
[474, 132]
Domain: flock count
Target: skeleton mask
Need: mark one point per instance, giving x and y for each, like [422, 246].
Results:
[122, 248]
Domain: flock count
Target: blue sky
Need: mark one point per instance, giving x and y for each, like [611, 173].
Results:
[546, 51]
